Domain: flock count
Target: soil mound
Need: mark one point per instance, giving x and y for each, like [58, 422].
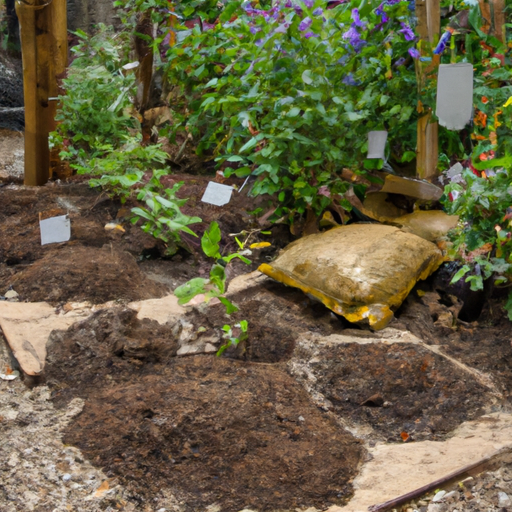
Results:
[398, 388]
[214, 430]
[92, 274]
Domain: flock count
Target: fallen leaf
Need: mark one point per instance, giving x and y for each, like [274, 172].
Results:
[102, 490]
[405, 436]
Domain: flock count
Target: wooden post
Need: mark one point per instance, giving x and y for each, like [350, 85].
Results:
[428, 13]
[43, 45]
[493, 12]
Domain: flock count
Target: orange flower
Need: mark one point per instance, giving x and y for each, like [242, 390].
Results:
[496, 122]
[480, 119]
[485, 100]
[486, 156]
[493, 138]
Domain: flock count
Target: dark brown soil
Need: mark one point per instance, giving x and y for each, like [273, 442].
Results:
[97, 258]
[213, 430]
[94, 274]
[276, 315]
[398, 388]
[238, 430]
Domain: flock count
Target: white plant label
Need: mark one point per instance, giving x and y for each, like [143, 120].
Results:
[377, 144]
[455, 95]
[217, 194]
[55, 230]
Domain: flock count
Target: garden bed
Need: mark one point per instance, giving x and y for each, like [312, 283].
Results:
[280, 423]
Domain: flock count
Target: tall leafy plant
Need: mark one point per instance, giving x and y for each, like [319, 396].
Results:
[288, 94]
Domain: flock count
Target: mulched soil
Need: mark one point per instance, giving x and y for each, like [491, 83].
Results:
[214, 430]
[240, 430]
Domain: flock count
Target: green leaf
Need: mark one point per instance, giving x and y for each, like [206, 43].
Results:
[230, 307]
[210, 241]
[211, 83]
[383, 100]
[508, 306]
[230, 257]
[306, 77]
[460, 274]
[186, 292]
[294, 112]
[353, 116]
[476, 283]
[207, 101]
[218, 277]
[248, 145]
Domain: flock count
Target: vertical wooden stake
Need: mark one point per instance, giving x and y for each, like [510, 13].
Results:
[497, 19]
[427, 151]
[42, 53]
[428, 13]
[35, 40]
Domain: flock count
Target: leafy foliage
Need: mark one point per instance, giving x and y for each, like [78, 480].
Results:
[162, 216]
[294, 91]
[482, 194]
[215, 286]
[99, 131]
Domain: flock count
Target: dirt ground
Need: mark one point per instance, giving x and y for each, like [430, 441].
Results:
[277, 424]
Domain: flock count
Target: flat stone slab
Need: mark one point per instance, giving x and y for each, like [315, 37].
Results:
[27, 325]
[395, 469]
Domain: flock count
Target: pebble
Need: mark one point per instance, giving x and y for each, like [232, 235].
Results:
[11, 295]
[437, 507]
[504, 500]
[66, 477]
[439, 496]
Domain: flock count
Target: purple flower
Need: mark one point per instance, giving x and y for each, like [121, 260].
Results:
[318, 11]
[309, 3]
[349, 80]
[407, 32]
[297, 10]
[415, 54]
[357, 19]
[305, 24]
[354, 37]
[309, 34]
[254, 30]
[400, 62]
[288, 4]
[380, 11]
[442, 43]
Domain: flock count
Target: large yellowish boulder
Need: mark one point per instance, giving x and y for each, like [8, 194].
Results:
[360, 271]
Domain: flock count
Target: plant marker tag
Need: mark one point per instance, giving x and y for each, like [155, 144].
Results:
[454, 95]
[377, 144]
[55, 230]
[217, 194]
